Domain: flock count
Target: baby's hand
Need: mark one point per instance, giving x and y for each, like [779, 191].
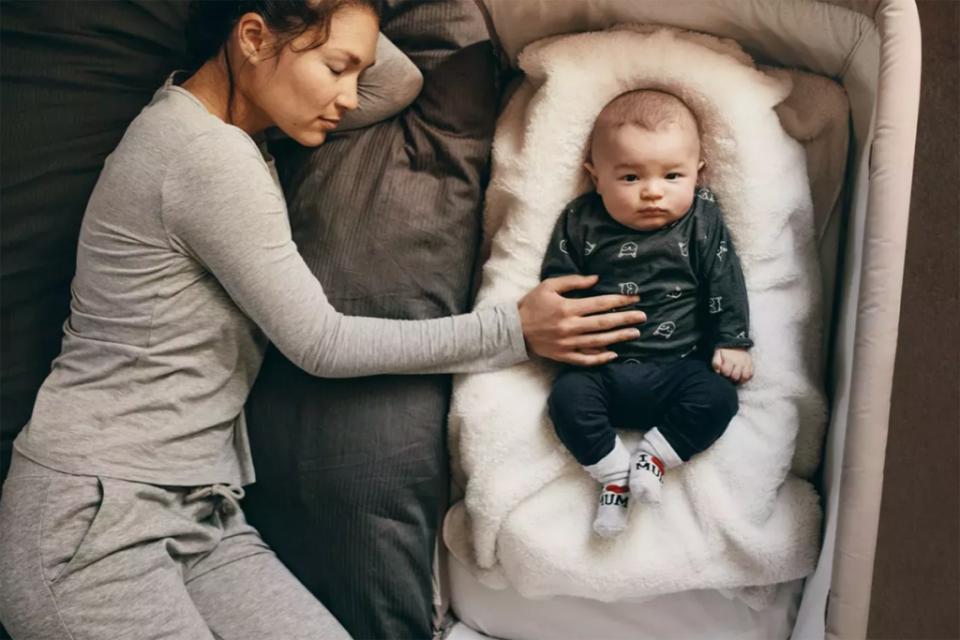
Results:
[735, 364]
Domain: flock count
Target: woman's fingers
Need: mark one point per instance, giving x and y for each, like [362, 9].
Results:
[594, 352]
[601, 304]
[584, 359]
[600, 340]
[563, 284]
[608, 322]
[555, 327]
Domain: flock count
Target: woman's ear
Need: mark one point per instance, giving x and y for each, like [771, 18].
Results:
[592, 171]
[254, 37]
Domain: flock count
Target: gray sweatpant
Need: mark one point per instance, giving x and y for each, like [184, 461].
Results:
[94, 557]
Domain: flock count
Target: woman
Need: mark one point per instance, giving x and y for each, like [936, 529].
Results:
[120, 516]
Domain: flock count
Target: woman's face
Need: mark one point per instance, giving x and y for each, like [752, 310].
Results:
[305, 91]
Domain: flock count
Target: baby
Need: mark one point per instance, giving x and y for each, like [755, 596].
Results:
[648, 230]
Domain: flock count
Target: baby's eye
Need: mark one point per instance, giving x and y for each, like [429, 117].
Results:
[673, 176]
[630, 177]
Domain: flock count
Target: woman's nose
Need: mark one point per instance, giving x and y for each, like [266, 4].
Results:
[348, 100]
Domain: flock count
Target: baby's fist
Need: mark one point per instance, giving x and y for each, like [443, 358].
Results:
[736, 364]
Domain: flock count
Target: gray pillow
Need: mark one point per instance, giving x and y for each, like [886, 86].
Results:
[352, 473]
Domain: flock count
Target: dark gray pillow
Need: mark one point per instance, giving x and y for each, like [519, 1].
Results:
[74, 75]
[352, 473]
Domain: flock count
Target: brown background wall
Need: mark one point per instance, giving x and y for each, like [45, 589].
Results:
[917, 569]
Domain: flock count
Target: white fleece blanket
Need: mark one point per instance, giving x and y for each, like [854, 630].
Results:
[739, 515]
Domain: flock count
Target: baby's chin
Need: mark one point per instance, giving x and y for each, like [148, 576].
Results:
[641, 222]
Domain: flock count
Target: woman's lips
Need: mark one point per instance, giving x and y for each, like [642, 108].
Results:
[329, 123]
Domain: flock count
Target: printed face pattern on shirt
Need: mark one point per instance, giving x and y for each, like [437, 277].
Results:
[705, 194]
[629, 288]
[684, 248]
[722, 250]
[665, 330]
[629, 249]
[590, 247]
[676, 293]
[563, 247]
[715, 304]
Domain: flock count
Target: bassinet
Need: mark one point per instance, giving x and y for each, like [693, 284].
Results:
[873, 49]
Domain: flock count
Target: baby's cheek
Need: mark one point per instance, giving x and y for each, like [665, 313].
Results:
[685, 201]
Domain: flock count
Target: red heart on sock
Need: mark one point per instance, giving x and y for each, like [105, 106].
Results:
[616, 489]
[657, 462]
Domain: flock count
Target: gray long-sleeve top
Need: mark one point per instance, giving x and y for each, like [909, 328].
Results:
[185, 269]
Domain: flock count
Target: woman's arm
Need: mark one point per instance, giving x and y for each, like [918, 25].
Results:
[221, 206]
[385, 89]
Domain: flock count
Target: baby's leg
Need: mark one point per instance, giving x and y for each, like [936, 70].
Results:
[579, 410]
[698, 405]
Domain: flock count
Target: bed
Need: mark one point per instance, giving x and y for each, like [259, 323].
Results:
[75, 74]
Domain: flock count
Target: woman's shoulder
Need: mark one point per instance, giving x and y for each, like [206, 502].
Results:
[175, 124]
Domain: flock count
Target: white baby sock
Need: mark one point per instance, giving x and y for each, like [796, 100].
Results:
[652, 458]
[612, 472]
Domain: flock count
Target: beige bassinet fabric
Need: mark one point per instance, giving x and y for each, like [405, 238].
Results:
[890, 169]
[866, 7]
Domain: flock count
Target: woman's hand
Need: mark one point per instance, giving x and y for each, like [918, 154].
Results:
[560, 329]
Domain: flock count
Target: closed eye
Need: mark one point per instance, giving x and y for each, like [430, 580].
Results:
[336, 72]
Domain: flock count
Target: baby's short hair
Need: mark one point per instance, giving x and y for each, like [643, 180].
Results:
[645, 108]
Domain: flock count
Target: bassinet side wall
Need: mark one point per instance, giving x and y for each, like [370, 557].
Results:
[877, 318]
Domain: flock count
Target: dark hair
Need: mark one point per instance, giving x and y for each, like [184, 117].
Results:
[210, 23]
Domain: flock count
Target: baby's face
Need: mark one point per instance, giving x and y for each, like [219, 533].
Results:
[646, 178]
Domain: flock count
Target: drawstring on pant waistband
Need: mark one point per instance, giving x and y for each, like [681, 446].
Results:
[230, 495]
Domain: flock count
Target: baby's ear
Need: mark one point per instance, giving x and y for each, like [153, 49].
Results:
[592, 171]
[700, 167]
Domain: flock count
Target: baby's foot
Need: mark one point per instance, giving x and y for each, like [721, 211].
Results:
[611, 472]
[612, 511]
[646, 478]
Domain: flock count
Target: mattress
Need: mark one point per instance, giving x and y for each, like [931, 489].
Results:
[707, 614]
